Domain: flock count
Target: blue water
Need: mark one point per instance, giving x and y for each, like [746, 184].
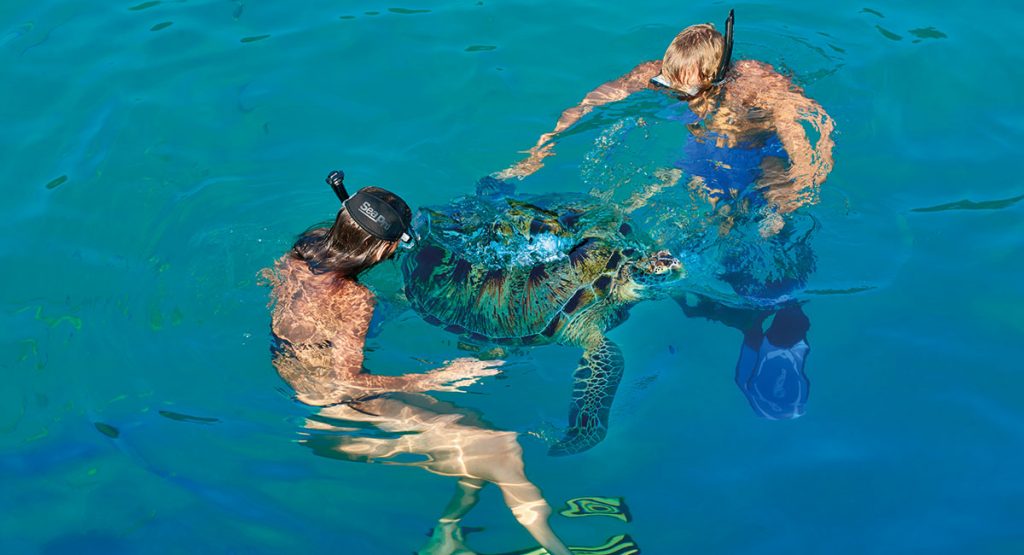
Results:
[157, 155]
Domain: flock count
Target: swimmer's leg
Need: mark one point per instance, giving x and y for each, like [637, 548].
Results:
[447, 538]
[789, 327]
[532, 511]
[743, 319]
[523, 498]
[771, 373]
[467, 494]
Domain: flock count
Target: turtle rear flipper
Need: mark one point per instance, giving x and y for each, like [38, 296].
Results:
[596, 380]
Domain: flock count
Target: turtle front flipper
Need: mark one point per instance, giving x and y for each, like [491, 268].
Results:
[596, 380]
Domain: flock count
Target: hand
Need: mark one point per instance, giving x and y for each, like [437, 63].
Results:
[458, 374]
[527, 166]
[533, 162]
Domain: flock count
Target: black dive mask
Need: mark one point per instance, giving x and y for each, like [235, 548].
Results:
[373, 213]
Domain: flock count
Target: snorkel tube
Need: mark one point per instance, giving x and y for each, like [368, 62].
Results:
[336, 179]
[723, 65]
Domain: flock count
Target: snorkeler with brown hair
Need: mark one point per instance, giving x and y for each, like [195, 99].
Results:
[321, 312]
[320, 321]
[747, 145]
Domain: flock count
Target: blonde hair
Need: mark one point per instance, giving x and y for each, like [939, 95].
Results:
[692, 58]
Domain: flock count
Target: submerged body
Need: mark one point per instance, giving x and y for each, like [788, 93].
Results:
[320, 320]
[414, 429]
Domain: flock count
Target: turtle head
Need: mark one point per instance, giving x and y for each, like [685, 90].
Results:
[653, 270]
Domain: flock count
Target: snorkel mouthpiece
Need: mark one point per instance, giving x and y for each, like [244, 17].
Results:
[723, 65]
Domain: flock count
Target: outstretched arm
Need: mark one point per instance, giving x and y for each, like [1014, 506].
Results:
[636, 80]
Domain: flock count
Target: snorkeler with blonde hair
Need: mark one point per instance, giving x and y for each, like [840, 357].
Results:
[747, 146]
[320, 320]
[749, 156]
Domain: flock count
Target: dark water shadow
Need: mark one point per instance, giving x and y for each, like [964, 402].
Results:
[848, 291]
[972, 205]
[187, 418]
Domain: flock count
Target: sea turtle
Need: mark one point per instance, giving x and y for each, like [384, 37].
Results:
[506, 269]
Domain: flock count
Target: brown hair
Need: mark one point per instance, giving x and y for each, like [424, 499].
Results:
[692, 58]
[345, 248]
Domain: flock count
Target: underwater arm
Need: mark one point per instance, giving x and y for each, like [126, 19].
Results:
[810, 165]
[320, 335]
[325, 374]
[636, 80]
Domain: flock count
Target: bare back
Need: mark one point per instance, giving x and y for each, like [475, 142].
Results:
[320, 324]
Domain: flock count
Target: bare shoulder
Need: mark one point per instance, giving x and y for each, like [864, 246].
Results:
[759, 84]
[755, 73]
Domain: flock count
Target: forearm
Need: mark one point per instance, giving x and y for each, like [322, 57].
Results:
[798, 148]
[568, 118]
[319, 385]
[636, 80]
[613, 91]
[812, 163]
[824, 125]
[321, 382]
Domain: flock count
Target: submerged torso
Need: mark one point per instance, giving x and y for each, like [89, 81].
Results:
[728, 149]
[318, 322]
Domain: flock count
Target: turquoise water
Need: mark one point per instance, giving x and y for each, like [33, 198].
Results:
[157, 155]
